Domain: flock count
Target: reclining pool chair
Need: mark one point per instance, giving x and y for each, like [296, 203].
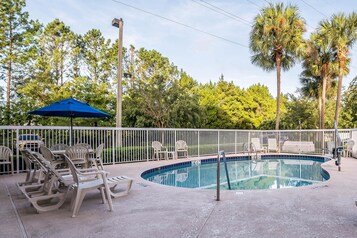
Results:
[255, 143]
[51, 193]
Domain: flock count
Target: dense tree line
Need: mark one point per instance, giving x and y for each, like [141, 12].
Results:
[41, 64]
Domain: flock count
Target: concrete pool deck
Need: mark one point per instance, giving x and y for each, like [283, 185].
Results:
[326, 209]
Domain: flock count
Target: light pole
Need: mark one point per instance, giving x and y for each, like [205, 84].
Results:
[119, 23]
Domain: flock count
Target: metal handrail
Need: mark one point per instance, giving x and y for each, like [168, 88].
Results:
[221, 153]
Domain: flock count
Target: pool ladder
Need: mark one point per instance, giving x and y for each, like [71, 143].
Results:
[223, 155]
[250, 148]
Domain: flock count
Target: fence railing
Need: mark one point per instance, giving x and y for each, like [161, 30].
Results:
[123, 145]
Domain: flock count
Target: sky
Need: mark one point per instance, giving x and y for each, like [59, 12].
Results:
[203, 42]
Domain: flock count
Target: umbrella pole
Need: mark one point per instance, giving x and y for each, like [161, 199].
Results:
[71, 132]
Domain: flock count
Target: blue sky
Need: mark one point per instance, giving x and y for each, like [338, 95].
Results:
[202, 56]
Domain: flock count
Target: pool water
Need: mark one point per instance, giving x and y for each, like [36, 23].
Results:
[243, 174]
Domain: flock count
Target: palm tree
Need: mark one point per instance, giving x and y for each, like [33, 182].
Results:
[341, 30]
[311, 88]
[320, 69]
[276, 41]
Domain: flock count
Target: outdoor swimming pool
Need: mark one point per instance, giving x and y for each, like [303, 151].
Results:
[269, 172]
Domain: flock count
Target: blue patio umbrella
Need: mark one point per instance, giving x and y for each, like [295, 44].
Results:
[70, 108]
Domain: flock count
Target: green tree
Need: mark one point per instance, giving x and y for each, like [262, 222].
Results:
[341, 31]
[157, 94]
[349, 109]
[56, 44]
[96, 52]
[301, 112]
[276, 41]
[319, 71]
[16, 46]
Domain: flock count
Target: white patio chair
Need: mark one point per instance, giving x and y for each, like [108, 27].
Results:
[272, 145]
[96, 180]
[181, 147]
[159, 150]
[79, 155]
[256, 145]
[347, 150]
[6, 158]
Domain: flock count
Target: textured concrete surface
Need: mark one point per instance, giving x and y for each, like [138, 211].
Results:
[152, 210]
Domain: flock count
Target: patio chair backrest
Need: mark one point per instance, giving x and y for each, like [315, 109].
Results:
[5, 154]
[98, 153]
[256, 143]
[64, 177]
[88, 146]
[47, 154]
[181, 145]
[272, 145]
[78, 154]
[156, 145]
[73, 169]
[350, 144]
[59, 147]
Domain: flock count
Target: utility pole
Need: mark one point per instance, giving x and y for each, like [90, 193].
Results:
[119, 23]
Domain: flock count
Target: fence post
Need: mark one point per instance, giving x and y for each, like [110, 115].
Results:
[218, 177]
[17, 152]
[147, 145]
[198, 143]
[235, 142]
[218, 141]
[113, 146]
[323, 143]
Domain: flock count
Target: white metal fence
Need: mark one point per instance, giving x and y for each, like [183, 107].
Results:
[123, 145]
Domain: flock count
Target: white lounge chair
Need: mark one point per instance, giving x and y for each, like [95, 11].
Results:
[51, 193]
[181, 147]
[255, 142]
[272, 145]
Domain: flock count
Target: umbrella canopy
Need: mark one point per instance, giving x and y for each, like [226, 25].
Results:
[70, 108]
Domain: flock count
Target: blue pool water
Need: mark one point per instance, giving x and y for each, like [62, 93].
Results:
[270, 172]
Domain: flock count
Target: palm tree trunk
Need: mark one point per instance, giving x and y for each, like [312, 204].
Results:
[278, 70]
[339, 89]
[323, 101]
[320, 111]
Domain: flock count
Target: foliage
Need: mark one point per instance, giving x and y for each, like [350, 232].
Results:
[341, 31]
[228, 106]
[45, 63]
[349, 112]
[17, 36]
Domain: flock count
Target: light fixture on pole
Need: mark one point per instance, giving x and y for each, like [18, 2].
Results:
[119, 23]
